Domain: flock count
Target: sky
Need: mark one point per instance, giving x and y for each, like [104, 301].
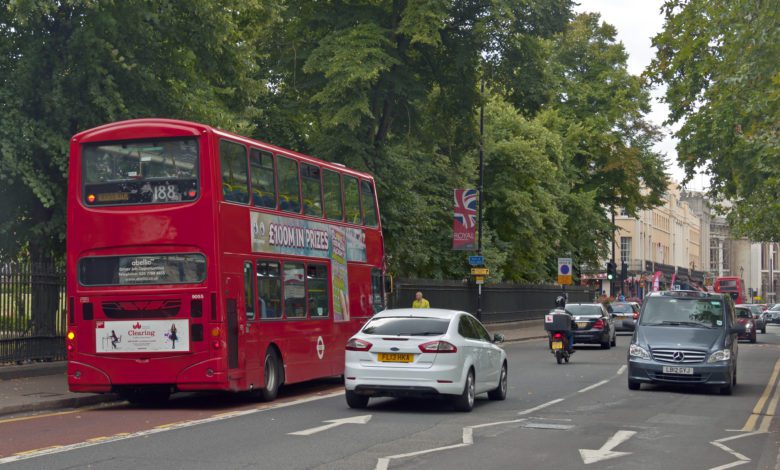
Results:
[637, 21]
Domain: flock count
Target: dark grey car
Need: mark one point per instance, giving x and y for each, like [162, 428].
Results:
[685, 337]
[594, 324]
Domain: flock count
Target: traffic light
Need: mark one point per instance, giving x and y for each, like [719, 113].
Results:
[623, 271]
[611, 270]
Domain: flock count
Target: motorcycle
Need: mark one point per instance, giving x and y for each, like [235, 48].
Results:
[559, 346]
[557, 324]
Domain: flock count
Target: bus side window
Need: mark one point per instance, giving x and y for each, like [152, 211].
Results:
[269, 289]
[249, 290]
[352, 200]
[294, 290]
[235, 175]
[289, 187]
[317, 290]
[263, 178]
[368, 202]
[332, 189]
[312, 190]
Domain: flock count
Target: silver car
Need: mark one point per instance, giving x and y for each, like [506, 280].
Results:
[424, 352]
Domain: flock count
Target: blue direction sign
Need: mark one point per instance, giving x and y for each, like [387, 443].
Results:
[476, 260]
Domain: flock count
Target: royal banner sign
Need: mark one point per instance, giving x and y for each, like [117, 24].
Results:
[464, 226]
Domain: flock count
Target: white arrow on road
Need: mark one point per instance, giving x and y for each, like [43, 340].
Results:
[333, 423]
[591, 456]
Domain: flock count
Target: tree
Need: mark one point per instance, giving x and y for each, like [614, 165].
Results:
[70, 65]
[719, 61]
[601, 112]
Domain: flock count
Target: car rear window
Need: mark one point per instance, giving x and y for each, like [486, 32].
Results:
[743, 313]
[622, 308]
[407, 326]
[683, 312]
[584, 309]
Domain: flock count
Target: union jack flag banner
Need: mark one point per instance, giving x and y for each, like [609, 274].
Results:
[464, 227]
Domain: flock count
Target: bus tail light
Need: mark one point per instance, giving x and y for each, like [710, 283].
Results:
[355, 344]
[216, 344]
[71, 343]
[215, 332]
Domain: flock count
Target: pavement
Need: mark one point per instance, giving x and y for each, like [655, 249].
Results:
[43, 386]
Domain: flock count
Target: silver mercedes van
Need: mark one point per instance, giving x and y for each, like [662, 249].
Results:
[685, 337]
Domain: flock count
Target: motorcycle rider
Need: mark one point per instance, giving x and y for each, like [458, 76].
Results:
[560, 307]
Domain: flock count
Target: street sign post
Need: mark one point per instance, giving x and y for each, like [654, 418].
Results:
[476, 260]
[564, 271]
[480, 271]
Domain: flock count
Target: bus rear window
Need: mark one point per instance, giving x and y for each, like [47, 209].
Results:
[187, 268]
[140, 172]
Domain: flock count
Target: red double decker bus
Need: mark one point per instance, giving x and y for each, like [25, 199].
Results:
[201, 260]
[732, 286]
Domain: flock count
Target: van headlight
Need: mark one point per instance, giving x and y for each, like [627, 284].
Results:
[637, 351]
[719, 356]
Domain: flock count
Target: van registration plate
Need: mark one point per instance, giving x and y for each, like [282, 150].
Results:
[678, 370]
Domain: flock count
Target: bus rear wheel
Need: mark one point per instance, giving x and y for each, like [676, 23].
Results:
[272, 373]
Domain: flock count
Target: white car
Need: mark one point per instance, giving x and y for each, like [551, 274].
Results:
[424, 352]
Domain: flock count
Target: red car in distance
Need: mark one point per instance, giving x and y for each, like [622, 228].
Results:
[745, 317]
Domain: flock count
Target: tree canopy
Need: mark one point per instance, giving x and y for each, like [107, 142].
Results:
[389, 87]
[719, 62]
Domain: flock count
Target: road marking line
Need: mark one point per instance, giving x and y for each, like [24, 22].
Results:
[750, 424]
[591, 387]
[770, 410]
[536, 408]
[184, 424]
[740, 436]
[58, 413]
[622, 369]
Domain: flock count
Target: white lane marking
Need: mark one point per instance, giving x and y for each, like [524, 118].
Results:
[333, 423]
[148, 432]
[591, 387]
[622, 369]
[605, 452]
[467, 438]
[742, 459]
[537, 408]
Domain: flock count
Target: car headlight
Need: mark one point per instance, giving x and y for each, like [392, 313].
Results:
[748, 326]
[637, 351]
[721, 355]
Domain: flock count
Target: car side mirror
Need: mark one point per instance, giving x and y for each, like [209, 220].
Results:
[498, 338]
[738, 329]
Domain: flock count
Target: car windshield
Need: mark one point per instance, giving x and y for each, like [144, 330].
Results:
[743, 313]
[584, 309]
[407, 326]
[697, 312]
[622, 308]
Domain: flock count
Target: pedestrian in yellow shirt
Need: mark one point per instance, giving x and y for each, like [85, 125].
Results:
[419, 302]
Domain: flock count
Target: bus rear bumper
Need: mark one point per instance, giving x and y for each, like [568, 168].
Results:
[87, 379]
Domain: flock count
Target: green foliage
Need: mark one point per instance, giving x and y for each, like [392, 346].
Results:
[390, 87]
[719, 61]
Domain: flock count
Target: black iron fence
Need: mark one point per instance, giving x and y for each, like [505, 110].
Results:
[500, 302]
[32, 312]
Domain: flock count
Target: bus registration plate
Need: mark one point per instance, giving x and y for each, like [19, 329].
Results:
[387, 357]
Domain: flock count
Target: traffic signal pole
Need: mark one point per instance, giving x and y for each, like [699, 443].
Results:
[481, 194]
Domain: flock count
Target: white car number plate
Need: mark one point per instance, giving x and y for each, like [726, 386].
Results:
[678, 370]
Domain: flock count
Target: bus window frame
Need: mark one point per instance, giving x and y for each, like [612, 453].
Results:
[279, 157]
[273, 176]
[340, 195]
[246, 166]
[344, 196]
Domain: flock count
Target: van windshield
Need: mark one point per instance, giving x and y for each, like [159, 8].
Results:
[683, 312]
